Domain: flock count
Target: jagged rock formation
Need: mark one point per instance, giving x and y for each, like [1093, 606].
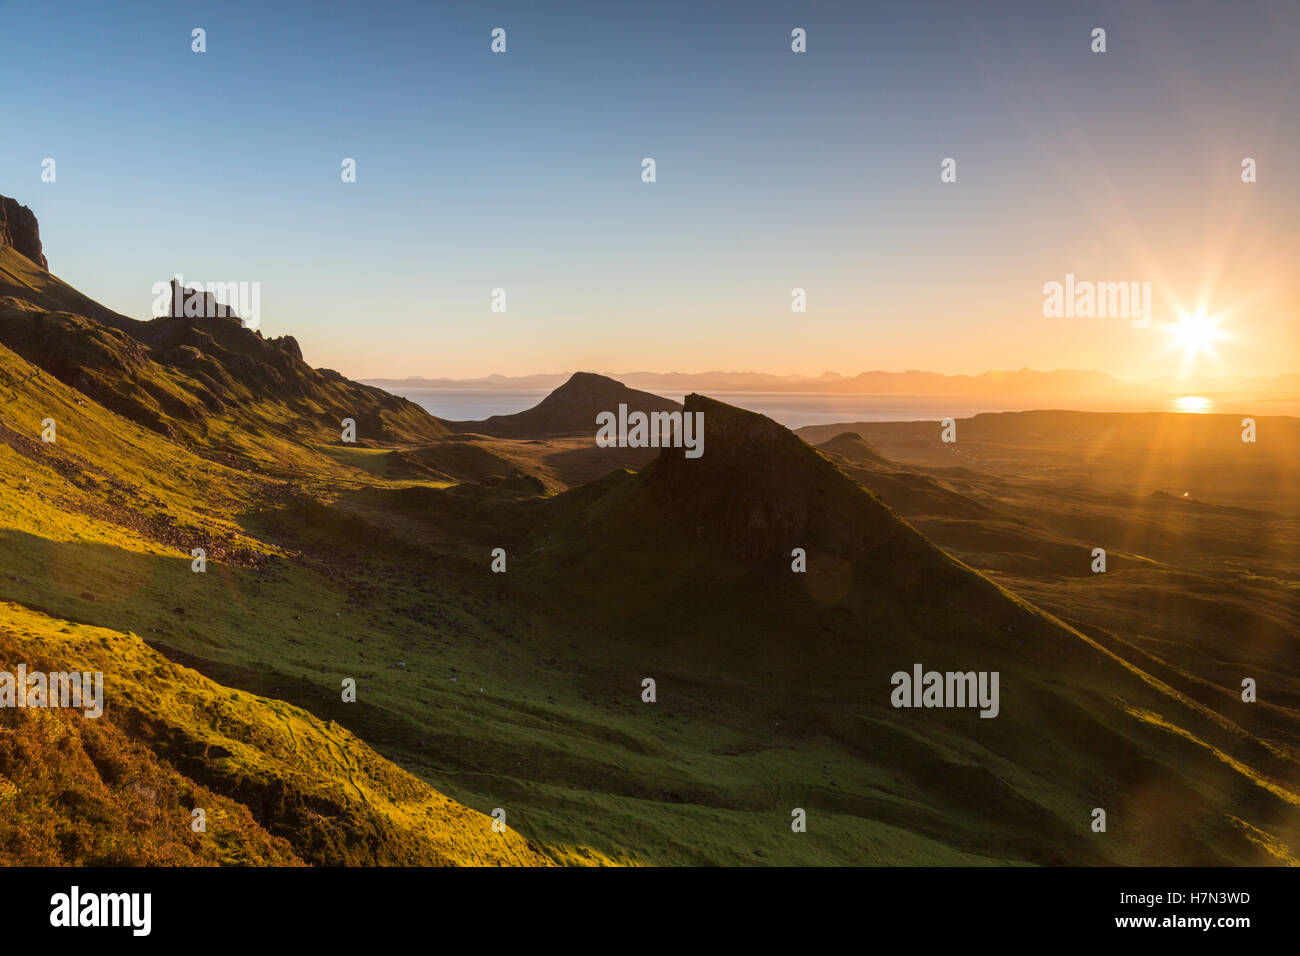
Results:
[179, 373]
[288, 345]
[19, 230]
[198, 304]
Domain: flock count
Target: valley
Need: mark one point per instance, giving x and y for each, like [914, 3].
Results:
[521, 691]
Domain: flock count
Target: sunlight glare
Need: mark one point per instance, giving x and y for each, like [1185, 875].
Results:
[1193, 404]
[1195, 333]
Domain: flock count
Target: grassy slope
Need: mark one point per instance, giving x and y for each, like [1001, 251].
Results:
[97, 527]
[1135, 453]
[522, 690]
[1203, 592]
[286, 622]
[207, 383]
[1075, 730]
[120, 788]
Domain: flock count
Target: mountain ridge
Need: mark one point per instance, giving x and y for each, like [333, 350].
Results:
[876, 597]
[570, 409]
[523, 689]
[182, 377]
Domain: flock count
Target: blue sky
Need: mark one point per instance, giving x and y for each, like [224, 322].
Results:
[775, 170]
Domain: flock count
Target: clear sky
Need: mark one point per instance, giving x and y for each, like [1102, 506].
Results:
[820, 170]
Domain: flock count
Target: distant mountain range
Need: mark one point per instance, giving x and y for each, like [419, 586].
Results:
[1025, 381]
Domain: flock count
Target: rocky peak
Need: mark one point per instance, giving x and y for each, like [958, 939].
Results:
[196, 303]
[288, 345]
[19, 229]
[571, 409]
[760, 490]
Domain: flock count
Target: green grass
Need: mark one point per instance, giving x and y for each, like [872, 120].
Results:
[522, 691]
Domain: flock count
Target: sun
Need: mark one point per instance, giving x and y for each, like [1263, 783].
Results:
[1195, 333]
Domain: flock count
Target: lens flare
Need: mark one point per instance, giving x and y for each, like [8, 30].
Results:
[1193, 404]
[1195, 333]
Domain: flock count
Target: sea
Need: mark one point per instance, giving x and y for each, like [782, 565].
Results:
[796, 409]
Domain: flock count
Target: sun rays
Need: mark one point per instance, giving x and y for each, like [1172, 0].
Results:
[1195, 334]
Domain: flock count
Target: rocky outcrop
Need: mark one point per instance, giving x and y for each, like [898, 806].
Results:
[175, 372]
[193, 303]
[288, 345]
[19, 229]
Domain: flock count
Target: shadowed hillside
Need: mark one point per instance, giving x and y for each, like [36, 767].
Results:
[502, 601]
[799, 659]
[852, 447]
[1130, 452]
[96, 529]
[208, 382]
[1199, 585]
